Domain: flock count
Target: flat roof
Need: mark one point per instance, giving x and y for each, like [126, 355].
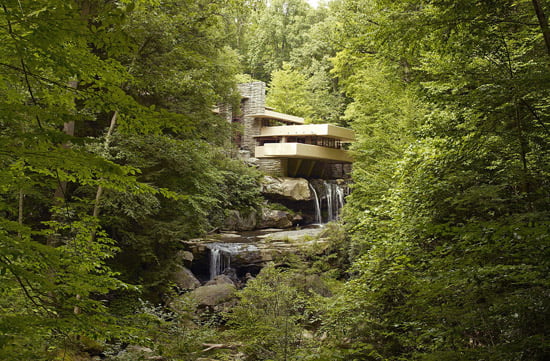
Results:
[270, 114]
[320, 130]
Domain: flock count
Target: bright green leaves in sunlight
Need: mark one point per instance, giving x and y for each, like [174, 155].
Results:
[150, 72]
[449, 213]
[288, 93]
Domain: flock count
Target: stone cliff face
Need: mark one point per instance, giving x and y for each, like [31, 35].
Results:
[292, 202]
[235, 255]
[248, 241]
[292, 189]
[265, 218]
[279, 190]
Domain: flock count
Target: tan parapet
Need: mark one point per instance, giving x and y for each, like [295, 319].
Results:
[303, 151]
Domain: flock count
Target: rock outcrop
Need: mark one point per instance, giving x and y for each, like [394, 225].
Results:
[268, 247]
[185, 279]
[214, 295]
[237, 221]
[267, 218]
[220, 280]
[294, 189]
[272, 218]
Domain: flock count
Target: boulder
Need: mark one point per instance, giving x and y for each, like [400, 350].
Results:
[214, 295]
[297, 218]
[235, 221]
[185, 279]
[184, 257]
[272, 218]
[220, 280]
[296, 189]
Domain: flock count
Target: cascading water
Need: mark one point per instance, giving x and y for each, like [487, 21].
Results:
[318, 217]
[339, 193]
[329, 198]
[219, 261]
[221, 253]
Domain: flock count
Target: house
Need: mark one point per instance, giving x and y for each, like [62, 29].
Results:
[284, 145]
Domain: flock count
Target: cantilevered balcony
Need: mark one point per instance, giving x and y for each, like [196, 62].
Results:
[321, 142]
[302, 151]
[311, 130]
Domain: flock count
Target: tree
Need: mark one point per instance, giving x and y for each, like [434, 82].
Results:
[450, 201]
[161, 89]
[288, 93]
[313, 60]
[267, 316]
[276, 30]
[43, 286]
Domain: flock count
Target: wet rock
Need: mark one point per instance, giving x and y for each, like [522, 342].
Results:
[185, 258]
[185, 279]
[272, 218]
[268, 245]
[296, 189]
[214, 295]
[294, 235]
[228, 235]
[220, 280]
[297, 219]
[235, 221]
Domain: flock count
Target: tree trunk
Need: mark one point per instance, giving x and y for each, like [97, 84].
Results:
[523, 147]
[20, 213]
[20, 210]
[99, 192]
[68, 128]
[543, 22]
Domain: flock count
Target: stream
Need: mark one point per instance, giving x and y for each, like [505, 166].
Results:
[233, 249]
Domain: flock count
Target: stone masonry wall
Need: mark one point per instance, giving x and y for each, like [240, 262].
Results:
[273, 167]
[254, 103]
[225, 111]
[338, 170]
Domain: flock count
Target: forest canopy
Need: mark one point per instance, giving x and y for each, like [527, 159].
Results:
[111, 155]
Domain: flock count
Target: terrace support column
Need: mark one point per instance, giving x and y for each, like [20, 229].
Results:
[297, 167]
[310, 169]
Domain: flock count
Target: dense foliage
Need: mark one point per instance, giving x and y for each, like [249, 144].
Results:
[449, 216]
[110, 155]
[74, 194]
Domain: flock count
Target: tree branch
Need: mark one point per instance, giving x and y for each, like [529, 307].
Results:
[543, 22]
[22, 61]
[45, 80]
[31, 298]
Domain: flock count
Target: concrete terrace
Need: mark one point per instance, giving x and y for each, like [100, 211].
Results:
[284, 145]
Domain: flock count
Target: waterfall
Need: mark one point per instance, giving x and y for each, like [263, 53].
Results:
[221, 253]
[329, 198]
[318, 218]
[219, 260]
[339, 195]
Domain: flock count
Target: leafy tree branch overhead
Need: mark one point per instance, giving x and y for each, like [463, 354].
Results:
[112, 159]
